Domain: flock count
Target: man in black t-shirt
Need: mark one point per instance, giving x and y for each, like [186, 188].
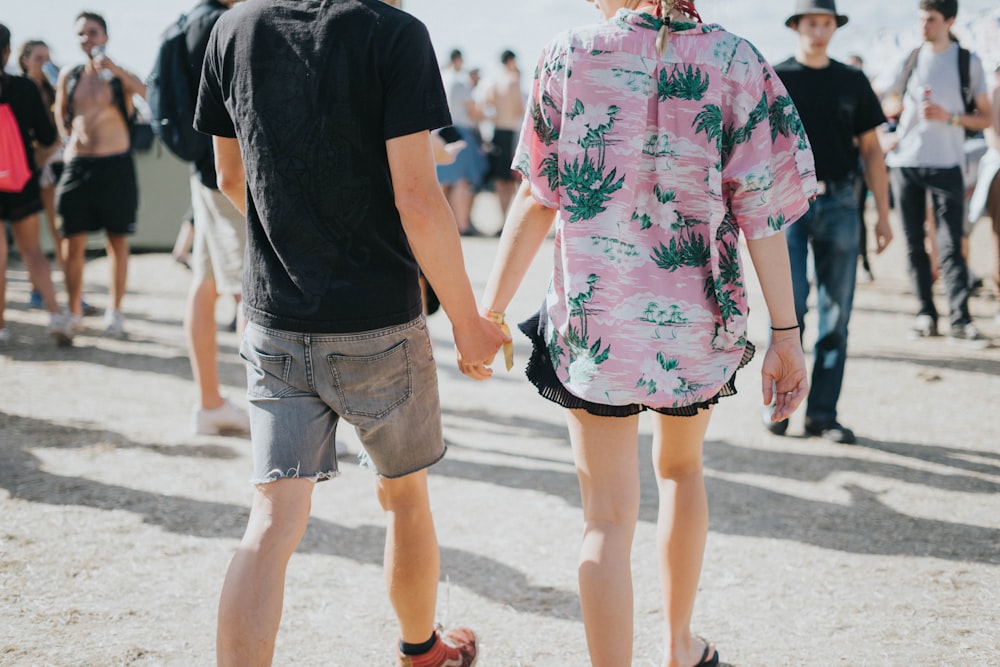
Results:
[320, 115]
[840, 112]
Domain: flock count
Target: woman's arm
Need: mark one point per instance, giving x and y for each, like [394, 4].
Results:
[783, 374]
[523, 233]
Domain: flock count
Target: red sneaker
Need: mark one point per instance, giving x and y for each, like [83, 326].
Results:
[454, 648]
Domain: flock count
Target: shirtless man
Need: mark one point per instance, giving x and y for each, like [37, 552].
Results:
[504, 96]
[97, 189]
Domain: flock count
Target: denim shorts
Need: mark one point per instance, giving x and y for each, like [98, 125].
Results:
[382, 382]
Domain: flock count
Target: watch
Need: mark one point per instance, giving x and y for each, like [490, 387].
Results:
[956, 120]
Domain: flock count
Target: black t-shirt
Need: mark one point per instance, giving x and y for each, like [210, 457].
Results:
[33, 119]
[196, 37]
[837, 105]
[312, 89]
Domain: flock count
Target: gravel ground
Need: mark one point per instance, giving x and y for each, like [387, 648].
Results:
[117, 524]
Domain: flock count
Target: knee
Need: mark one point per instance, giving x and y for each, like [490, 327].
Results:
[680, 470]
[406, 494]
[277, 522]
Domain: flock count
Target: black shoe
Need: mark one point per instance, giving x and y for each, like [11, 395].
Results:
[831, 430]
[777, 428]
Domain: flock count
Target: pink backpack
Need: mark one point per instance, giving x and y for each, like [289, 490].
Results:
[14, 171]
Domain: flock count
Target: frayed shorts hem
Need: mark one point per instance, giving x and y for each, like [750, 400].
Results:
[277, 476]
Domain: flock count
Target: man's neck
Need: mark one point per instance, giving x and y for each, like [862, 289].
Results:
[941, 45]
[813, 59]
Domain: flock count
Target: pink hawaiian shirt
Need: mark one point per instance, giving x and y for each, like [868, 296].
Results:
[656, 164]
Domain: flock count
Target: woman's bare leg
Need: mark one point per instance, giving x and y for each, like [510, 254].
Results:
[681, 528]
[607, 462]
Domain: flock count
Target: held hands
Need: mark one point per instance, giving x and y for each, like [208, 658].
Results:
[477, 343]
[784, 375]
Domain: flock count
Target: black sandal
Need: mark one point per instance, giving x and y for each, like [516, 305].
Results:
[705, 662]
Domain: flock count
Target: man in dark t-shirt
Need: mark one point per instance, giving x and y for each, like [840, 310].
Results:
[320, 114]
[840, 112]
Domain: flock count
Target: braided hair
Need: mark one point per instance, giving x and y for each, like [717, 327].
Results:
[664, 9]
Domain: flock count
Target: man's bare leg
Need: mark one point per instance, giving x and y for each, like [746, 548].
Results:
[254, 590]
[199, 325]
[412, 560]
[117, 245]
[75, 249]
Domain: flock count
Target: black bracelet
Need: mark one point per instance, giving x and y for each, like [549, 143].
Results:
[784, 328]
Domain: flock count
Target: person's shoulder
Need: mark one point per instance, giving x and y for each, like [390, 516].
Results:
[241, 15]
[788, 65]
[20, 86]
[847, 71]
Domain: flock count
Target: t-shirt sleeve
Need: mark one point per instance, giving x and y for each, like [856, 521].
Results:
[414, 93]
[768, 173]
[211, 115]
[869, 114]
[537, 154]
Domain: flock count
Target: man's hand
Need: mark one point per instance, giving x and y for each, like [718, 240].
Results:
[883, 235]
[934, 112]
[477, 342]
[783, 375]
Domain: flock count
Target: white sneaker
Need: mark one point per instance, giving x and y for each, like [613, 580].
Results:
[4, 336]
[114, 323]
[226, 418]
[61, 329]
[76, 322]
[924, 326]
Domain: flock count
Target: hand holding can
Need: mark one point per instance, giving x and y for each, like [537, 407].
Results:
[97, 54]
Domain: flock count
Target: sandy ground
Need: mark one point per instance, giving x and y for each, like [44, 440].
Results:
[117, 524]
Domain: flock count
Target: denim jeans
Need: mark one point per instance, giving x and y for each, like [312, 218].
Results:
[831, 228]
[946, 188]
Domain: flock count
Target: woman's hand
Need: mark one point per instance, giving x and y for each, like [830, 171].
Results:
[784, 375]
[476, 344]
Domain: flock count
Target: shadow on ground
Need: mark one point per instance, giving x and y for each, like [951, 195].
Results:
[22, 475]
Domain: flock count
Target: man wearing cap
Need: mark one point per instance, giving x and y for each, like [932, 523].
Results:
[928, 158]
[840, 112]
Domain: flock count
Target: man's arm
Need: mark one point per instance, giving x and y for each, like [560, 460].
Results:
[878, 182]
[433, 235]
[230, 174]
[62, 104]
[131, 84]
[980, 119]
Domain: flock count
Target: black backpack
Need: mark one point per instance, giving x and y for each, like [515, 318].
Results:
[170, 93]
[964, 58]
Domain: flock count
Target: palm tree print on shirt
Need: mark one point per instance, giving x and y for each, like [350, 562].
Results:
[584, 356]
[587, 183]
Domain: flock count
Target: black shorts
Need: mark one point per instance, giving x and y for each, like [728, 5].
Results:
[96, 193]
[502, 155]
[16, 206]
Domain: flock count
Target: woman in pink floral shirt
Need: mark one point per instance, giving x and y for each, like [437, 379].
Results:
[652, 141]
